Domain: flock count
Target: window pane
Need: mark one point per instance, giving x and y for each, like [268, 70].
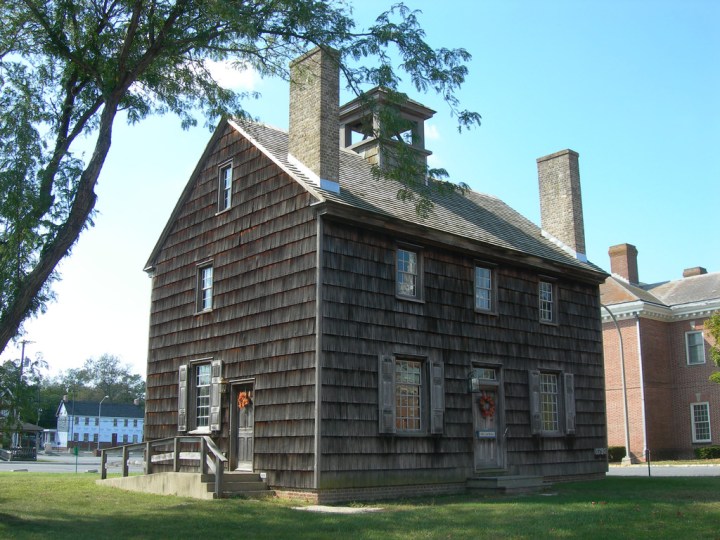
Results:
[701, 422]
[695, 348]
[549, 401]
[408, 380]
[407, 272]
[483, 288]
[225, 187]
[202, 400]
[546, 301]
[206, 287]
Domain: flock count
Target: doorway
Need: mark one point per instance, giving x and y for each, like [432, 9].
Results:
[243, 400]
[488, 418]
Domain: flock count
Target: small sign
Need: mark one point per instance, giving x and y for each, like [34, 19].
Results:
[483, 434]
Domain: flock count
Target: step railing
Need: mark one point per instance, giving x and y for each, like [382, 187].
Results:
[187, 453]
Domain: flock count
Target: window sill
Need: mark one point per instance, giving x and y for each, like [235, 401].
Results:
[200, 431]
[410, 299]
[492, 313]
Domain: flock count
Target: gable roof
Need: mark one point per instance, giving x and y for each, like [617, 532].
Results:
[91, 408]
[474, 219]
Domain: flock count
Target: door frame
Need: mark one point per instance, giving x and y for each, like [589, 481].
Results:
[235, 387]
[501, 433]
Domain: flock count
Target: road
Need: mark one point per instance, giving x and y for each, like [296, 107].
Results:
[67, 463]
[664, 470]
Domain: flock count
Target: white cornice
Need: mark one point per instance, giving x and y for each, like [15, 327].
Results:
[647, 310]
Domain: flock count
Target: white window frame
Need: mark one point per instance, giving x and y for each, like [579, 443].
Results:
[225, 180]
[407, 270]
[409, 396]
[487, 285]
[205, 285]
[695, 346]
[547, 301]
[201, 388]
[550, 401]
[694, 409]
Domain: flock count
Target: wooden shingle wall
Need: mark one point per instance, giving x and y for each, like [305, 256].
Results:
[263, 319]
[364, 319]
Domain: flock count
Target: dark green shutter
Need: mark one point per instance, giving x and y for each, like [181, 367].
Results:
[569, 403]
[182, 397]
[386, 394]
[215, 395]
[437, 397]
[534, 395]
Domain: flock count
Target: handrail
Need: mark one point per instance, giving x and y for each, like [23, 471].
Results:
[211, 457]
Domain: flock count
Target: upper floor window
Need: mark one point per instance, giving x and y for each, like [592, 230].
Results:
[700, 413]
[114, 422]
[484, 289]
[225, 187]
[695, 348]
[97, 421]
[547, 301]
[204, 288]
[135, 422]
[87, 420]
[409, 278]
[125, 423]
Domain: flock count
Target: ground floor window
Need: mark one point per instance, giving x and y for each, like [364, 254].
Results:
[199, 396]
[202, 395]
[552, 402]
[411, 395]
[700, 413]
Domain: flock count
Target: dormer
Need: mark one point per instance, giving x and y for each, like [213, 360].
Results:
[364, 119]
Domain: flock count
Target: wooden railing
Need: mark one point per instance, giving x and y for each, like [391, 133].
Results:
[180, 452]
[19, 454]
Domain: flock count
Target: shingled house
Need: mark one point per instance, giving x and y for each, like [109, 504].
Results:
[659, 398]
[324, 334]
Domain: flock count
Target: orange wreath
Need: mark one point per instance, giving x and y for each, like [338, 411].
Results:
[243, 400]
[487, 406]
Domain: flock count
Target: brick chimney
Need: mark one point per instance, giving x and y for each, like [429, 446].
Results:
[561, 201]
[623, 262]
[314, 144]
[695, 271]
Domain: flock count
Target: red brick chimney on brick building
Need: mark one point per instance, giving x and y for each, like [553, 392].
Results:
[623, 262]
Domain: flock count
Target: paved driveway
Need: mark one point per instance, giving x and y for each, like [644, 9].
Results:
[664, 470]
[66, 463]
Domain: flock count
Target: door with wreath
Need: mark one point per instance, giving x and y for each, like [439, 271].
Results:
[245, 414]
[488, 432]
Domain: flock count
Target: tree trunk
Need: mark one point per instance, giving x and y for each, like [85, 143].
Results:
[67, 235]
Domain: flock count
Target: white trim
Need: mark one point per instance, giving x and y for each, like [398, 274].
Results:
[693, 422]
[582, 257]
[687, 348]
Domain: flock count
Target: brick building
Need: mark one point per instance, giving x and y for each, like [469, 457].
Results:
[672, 408]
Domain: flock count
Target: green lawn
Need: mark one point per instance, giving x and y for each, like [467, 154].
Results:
[58, 506]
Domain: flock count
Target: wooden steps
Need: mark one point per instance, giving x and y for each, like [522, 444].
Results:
[507, 484]
[239, 484]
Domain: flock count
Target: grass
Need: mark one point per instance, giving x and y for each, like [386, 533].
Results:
[58, 506]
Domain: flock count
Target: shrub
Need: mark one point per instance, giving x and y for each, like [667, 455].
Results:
[708, 452]
[616, 453]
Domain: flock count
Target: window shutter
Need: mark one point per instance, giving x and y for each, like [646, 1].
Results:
[182, 397]
[437, 397]
[215, 382]
[569, 403]
[535, 414]
[386, 394]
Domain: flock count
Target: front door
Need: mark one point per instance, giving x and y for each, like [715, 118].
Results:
[488, 436]
[245, 407]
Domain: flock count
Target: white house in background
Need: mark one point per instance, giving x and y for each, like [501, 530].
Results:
[80, 424]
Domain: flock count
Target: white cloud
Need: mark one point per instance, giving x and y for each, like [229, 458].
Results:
[233, 77]
[431, 132]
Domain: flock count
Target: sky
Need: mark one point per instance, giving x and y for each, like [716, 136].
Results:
[633, 86]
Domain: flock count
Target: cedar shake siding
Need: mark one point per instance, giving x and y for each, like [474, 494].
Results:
[262, 323]
[363, 318]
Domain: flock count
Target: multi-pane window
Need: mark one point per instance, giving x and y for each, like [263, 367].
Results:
[135, 422]
[546, 292]
[114, 422]
[700, 422]
[86, 437]
[97, 421]
[224, 187]
[75, 437]
[695, 347]
[135, 438]
[95, 437]
[205, 288]
[549, 402]
[408, 400]
[125, 423]
[484, 300]
[408, 273]
[87, 420]
[202, 395]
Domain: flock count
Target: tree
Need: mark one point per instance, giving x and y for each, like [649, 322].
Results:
[68, 67]
[713, 326]
[104, 376]
[19, 393]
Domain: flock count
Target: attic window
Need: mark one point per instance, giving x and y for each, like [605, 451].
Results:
[224, 187]
[204, 295]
